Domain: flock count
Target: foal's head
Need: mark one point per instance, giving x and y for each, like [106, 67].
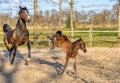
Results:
[58, 33]
[82, 45]
[24, 14]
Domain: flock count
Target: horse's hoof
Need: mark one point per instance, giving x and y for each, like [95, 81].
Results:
[11, 63]
[10, 58]
[26, 63]
[28, 59]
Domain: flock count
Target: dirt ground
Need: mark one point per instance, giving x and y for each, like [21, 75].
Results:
[98, 65]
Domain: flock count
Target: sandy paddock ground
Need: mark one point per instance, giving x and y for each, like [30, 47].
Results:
[98, 65]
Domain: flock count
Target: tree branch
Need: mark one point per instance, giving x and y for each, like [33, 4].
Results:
[54, 2]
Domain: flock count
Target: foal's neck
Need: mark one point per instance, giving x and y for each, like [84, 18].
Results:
[76, 44]
[21, 24]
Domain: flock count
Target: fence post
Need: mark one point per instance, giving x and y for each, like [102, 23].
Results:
[90, 34]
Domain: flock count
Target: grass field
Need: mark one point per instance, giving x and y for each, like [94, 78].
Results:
[102, 39]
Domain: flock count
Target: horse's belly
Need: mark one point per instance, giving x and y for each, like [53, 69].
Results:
[22, 41]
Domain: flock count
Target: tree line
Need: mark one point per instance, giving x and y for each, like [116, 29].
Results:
[81, 19]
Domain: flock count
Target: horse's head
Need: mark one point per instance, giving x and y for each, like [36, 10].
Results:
[82, 45]
[24, 14]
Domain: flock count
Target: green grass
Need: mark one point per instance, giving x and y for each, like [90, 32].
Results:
[99, 39]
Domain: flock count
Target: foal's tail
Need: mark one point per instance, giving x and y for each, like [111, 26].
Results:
[6, 28]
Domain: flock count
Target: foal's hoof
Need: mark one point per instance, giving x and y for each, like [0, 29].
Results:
[28, 59]
[76, 76]
[26, 64]
[60, 74]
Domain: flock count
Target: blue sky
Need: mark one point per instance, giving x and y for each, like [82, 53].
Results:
[12, 6]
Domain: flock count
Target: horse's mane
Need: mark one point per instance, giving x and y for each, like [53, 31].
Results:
[77, 41]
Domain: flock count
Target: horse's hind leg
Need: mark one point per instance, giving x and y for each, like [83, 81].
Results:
[29, 49]
[7, 46]
[14, 54]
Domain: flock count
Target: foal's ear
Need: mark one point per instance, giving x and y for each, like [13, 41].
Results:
[20, 7]
[80, 38]
[59, 32]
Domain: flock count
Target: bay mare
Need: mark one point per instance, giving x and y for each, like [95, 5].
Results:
[19, 35]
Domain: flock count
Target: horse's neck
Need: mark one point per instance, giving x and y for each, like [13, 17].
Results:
[21, 25]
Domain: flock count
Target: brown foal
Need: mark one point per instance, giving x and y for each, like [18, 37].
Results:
[71, 48]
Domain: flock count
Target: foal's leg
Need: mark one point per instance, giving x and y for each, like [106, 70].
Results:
[29, 49]
[14, 54]
[53, 44]
[66, 64]
[74, 66]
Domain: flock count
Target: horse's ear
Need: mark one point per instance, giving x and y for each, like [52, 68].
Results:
[20, 7]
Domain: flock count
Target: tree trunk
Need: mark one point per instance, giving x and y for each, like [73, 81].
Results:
[60, 14]
[118, 39]
[71, 18]
[119, 22]
[35, 22]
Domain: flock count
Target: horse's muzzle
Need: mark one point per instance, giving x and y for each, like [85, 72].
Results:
[29, 20]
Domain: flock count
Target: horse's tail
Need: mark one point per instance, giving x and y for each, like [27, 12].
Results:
[6, 28]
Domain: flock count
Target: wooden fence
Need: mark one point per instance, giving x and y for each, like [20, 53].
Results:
[89, 38]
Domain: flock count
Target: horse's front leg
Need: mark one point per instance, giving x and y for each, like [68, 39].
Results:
[14, 54]
[66, 64]
[29, 51]
[10, 52]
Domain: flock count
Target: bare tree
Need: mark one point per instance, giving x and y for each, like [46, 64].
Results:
[40, 18]
[60, 10]
[60, 14]
[77, 16]
[119, 22]
[114, 15]
[35, 22]
[106, 14]
[47, 17]
[71, 17]
[91, 15]
[71, 3]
